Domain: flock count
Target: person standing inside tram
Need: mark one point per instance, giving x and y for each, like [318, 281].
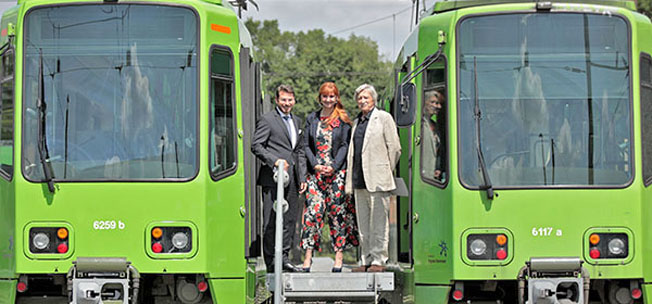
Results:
[326, 141]
[433, 135]
[374, 150]
[277, 138]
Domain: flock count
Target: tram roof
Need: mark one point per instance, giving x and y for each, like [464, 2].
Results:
[229, 3]
[443, 6]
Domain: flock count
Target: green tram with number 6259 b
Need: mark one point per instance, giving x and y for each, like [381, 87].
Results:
[122, 156]
[526, 129]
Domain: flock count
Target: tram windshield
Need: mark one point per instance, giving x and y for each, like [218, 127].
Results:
[553, 92]
[119, 88]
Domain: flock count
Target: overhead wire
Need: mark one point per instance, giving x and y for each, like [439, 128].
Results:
[372, 21]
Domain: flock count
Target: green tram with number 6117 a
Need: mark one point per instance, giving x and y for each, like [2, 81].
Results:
[527, 147]
[122, 156]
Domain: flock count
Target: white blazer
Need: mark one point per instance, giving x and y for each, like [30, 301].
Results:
[381, 149]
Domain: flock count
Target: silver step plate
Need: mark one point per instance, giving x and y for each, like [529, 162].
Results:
[342, 286]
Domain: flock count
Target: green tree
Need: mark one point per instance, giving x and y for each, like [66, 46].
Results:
[644, 7]
[307, 59]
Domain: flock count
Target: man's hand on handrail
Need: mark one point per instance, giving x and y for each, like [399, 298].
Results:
[287, 165]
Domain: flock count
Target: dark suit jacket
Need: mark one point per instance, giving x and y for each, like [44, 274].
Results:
[340, 143]
[272, 141]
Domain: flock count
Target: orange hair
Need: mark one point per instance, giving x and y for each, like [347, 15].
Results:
[338, 112]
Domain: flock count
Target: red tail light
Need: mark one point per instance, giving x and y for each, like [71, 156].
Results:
[202, 286]
[594, 253]
[458, 295]
[21, 287]
[62, 248]
[157, 247]
[636, 293]
[501, 254]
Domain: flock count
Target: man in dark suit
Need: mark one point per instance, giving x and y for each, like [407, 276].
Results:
[278, 138]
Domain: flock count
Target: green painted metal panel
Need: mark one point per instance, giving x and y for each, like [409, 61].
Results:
[228, 290]
[7, 291]
[431, 294]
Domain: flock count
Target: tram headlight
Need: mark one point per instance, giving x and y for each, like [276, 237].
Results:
[608, 247]
[168, 240]
[44, 240]
[41, 241]
[180, 240]
[616, 246]
[48, 240]
[487, 246]
[478, 247]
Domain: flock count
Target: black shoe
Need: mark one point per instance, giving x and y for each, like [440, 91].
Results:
[337, 269]
[307, 269]
[288, 267]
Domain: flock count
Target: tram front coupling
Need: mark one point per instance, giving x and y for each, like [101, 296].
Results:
[102, 280]
[554, 281]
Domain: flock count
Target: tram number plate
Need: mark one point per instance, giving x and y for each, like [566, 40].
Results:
[108, 225]
[546, 231]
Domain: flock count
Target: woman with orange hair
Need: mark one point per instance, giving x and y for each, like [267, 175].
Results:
[326, 141]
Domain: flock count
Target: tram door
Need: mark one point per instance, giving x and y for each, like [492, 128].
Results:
[431, 195]
[424, 159]
[251, 109]
[401, 109]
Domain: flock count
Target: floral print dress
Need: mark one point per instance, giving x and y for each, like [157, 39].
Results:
[326, 198]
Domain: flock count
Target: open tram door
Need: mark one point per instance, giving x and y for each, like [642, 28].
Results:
[422, 112]
[252, 108]
[403, 113]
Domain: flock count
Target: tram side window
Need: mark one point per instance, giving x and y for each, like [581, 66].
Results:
[7, 114]
[222, 122]
[434, 145]
[646, 116]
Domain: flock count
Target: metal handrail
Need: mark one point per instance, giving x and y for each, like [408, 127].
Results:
[282, 179]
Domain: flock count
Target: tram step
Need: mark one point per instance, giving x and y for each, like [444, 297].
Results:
[340, 286]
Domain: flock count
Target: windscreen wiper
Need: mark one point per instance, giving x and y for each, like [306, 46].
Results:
[163, 155]
[65, 139]
[478, 115]
[42, 140]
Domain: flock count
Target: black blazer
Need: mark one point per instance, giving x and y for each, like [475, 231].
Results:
[340, 143]
[271, 141]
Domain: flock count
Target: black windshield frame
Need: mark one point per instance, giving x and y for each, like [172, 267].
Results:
[632, 143]
[196, 103]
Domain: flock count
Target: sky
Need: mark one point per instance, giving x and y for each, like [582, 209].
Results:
[388, 22]
[385, 21]
[4, 4]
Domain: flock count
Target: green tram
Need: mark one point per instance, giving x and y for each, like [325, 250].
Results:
[122, 159]
[529, 180]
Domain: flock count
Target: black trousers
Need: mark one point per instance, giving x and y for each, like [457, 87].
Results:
[269, 224]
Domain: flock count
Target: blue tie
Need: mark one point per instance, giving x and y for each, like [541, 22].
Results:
[288, 124]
